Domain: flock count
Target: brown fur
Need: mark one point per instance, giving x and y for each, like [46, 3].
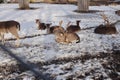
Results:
[117, 12]
[73, 28]
[108, 28]
[60, 37]
[54, 29]
[72, 37]
[103, 29]
[9, 27]
[66, 37]
[42, 26]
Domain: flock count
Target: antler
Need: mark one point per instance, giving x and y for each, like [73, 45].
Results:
[106, 20]
[68, 23]
[60, 23]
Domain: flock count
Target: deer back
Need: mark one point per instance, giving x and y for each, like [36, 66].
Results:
[117, 12]
[54, 29]
[60, 37]
[41, 26]
[72, 37]
[73, 28]
[102, 29]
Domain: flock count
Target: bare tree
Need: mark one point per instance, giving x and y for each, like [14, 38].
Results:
[23, 4]
[83, 5]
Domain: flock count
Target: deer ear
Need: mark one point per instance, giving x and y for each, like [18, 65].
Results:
[68, 24]
[37, 20]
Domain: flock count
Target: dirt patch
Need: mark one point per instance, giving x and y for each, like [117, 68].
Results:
[31, 8]
[89, 11]
[111, 66]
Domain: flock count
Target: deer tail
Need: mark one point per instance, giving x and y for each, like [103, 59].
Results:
[18, 26]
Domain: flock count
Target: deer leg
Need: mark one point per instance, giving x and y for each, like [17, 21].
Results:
[15, 33]
[2, 38]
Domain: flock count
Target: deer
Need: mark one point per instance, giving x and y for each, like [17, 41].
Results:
[42, 26]
[71, 37]
[56, 28]
[10, 26]
[107, 28]
[117, 12]
[73, 28]
[60, 37]
[66, 37]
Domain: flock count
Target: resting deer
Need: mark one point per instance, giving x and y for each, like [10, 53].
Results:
[108, 28]
[73, 28]
[42, 26]
[60, 37]
[54, 29]
[9, 27]
[66, 37]
[117, 12]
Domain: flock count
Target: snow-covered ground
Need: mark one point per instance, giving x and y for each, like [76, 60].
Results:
[44, 48]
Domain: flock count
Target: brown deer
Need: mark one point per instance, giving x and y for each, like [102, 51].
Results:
[117, 12]
[73, 28]
[66, 37]
[60, 37]
[71, 37]
[108, 28]
[42, 26]
[57, 28]
[9, 27]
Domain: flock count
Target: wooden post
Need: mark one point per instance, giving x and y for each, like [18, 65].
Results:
[23, 4]
[5, 1]
[83, 5]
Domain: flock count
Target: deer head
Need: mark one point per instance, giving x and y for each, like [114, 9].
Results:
[106, 20]
[77, 22]
[59, 28]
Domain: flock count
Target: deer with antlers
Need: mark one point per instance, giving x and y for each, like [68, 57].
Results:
[117, 12]
[73, 28]
[57, 28]
[107, 28]
[10, 26]
[65, 37]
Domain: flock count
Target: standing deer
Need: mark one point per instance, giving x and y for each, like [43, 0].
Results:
[73, 28]
[9, 27]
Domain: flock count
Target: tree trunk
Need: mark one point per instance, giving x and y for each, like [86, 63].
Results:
[23, 4]
[83, 5]
[5, 1]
